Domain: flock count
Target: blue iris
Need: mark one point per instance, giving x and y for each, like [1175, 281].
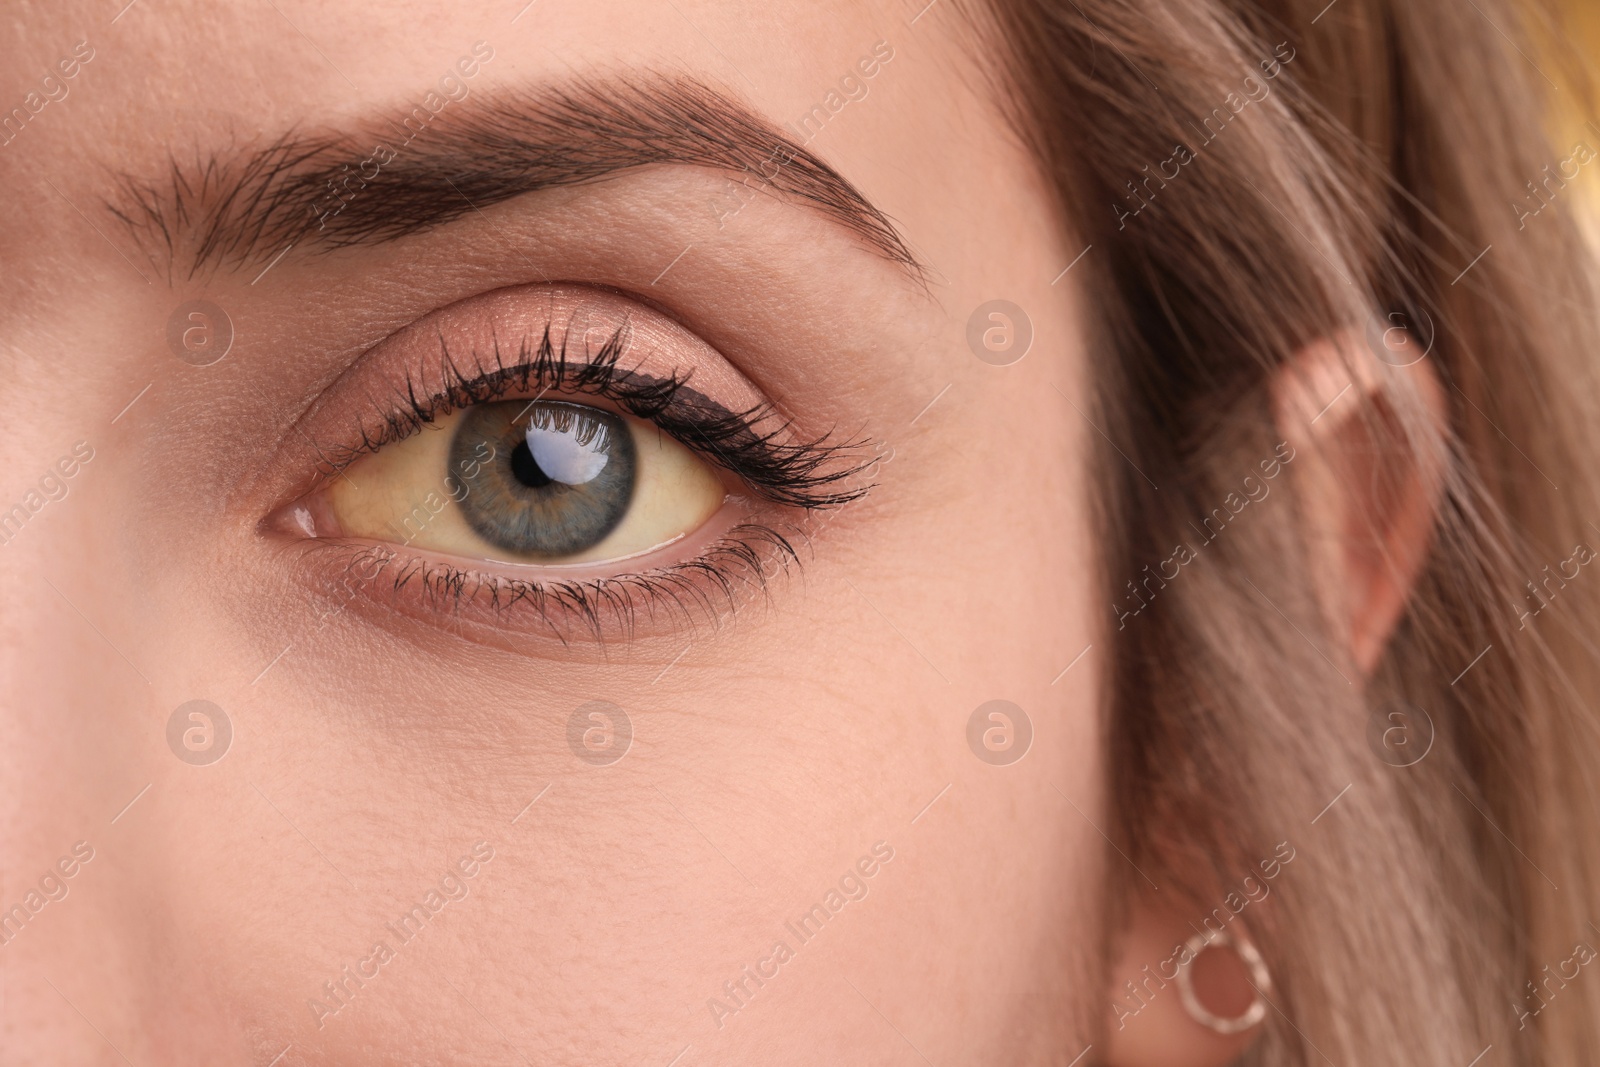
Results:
[561, 480]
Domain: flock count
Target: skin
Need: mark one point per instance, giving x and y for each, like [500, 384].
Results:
[771, 750]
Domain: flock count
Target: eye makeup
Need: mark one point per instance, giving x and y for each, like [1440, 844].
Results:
[534, 340]
[542, 381]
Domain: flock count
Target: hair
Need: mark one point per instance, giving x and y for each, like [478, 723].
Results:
[1387, 168]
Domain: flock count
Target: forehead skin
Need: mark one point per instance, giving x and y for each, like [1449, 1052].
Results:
[771, 751]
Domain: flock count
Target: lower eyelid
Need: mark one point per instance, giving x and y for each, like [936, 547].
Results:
[719, 569]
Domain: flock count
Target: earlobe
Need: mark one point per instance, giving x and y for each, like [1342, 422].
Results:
[1370, 481]
[1182, 996]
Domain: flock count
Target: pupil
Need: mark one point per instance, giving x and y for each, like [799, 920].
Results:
[526, 468]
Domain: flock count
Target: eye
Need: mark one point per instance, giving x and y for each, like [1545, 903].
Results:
[556, 459]
[527, 481]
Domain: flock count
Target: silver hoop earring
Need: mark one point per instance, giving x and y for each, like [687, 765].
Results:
[1260, 978]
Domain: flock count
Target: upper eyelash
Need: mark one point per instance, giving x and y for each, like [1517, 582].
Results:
[806, 473]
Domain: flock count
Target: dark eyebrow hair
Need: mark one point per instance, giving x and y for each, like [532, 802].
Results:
[402, 175]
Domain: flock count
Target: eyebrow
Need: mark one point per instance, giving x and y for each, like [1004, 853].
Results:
[400, 175]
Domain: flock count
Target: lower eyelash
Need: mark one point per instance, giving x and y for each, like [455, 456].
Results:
[728, 572]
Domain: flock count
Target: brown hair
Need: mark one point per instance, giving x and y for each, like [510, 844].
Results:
[1379, 172]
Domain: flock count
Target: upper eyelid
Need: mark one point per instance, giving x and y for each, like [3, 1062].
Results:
[755, 444]
[550, 367]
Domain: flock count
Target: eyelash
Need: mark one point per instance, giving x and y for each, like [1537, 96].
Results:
[811, 474]
[700, 587]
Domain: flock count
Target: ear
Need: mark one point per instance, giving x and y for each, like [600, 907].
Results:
[1370, 460]
[1149, 1025]
[1369, 441]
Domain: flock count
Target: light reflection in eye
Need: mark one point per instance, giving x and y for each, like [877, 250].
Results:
[550, 510]
[570, 451]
